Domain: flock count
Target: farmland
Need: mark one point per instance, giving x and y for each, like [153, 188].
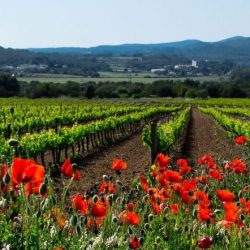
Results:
[146, 77]
[126, 173]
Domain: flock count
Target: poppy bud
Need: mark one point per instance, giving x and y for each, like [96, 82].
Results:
[6, 179]
[205, 242]
[118, 182]
[13, 142]
[146, 226]
[114, 219]
[73, 220]
[95, 198]
[105, 177]
[150, 217]
[157, 240]
[43, 189]
[74, 167]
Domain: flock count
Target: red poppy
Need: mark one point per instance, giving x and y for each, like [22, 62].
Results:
[161, 161]
[190, 185]
[205, 242]
[215, 174]
[204, 214]
[156, 208]
[175, 208]
[225, 195]
[182, 162]
[246, 205]
[231, 211]
[241, 140]
[202, 179]
[29, 173]
[94, 222]
[238, 166]
[205, 159]
[173, 176]
[129, 217]
[3, 171]
[144, 184]
[212, 165]
[186, 197]
[107, 187]
[119, 165]
[67, 170]
[79, 204]
[185, 170]
[99, 209]
[134, 243]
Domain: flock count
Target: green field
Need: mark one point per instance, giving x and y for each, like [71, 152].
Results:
[146, 77]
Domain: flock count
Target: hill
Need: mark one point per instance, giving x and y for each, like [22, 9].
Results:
[235, 49]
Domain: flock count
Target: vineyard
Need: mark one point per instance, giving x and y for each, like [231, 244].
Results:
[128, 174]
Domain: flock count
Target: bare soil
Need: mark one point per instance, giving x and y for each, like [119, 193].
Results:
[131, 150]
[205, 136]
[201, 136]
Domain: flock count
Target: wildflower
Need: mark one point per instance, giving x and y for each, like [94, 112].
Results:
[237, 166]
[225, 195]
[119, 165]
[175, 208]
[29, 173]
[79, 204]
[99, 208]
[144, 184]
[67, 170]
[231, 212]
[161, 161]
[129, 217]
[107, 187]
[173, 176]
[134, 243]
[215, 174]
[241, 140]
[205, 242]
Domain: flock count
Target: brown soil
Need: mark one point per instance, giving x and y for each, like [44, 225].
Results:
[205, 136]
[131, 150]
[201, 136]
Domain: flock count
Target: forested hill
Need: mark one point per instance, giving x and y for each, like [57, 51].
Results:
[236, 49]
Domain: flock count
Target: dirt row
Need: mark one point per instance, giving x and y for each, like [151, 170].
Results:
[203, 136]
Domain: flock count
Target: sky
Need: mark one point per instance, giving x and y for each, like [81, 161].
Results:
[86, 23]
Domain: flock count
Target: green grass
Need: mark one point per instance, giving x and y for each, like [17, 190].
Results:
[109, 76]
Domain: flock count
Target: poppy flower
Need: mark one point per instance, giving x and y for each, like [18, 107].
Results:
[119, 165]
[241, 140]
[175, 208]
[29, 173]
[3, 171]
[161, 161]
[215, 174]
[134, 243]
[231, 211]
[107, 187]
[144, 184]
[129, 217]
[205, 242]
[99, 209]
[182, 162]
[94, 222]
[185, 170]
[173, 176]
[246, 205]
[237, 166]
[79, 204]
[67, 170]
[204, 214]
[225, 195]
[205, 159]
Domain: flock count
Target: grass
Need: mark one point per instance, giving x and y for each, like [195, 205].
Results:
[146, 77]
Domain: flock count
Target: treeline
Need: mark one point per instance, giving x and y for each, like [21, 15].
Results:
[86, 65]
[9, 86]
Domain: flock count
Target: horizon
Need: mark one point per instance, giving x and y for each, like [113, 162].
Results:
[84, 23]
[121, 44]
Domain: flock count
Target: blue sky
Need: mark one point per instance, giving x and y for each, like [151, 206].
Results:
[84, 23]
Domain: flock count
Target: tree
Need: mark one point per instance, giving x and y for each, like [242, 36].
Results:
[90, 92]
